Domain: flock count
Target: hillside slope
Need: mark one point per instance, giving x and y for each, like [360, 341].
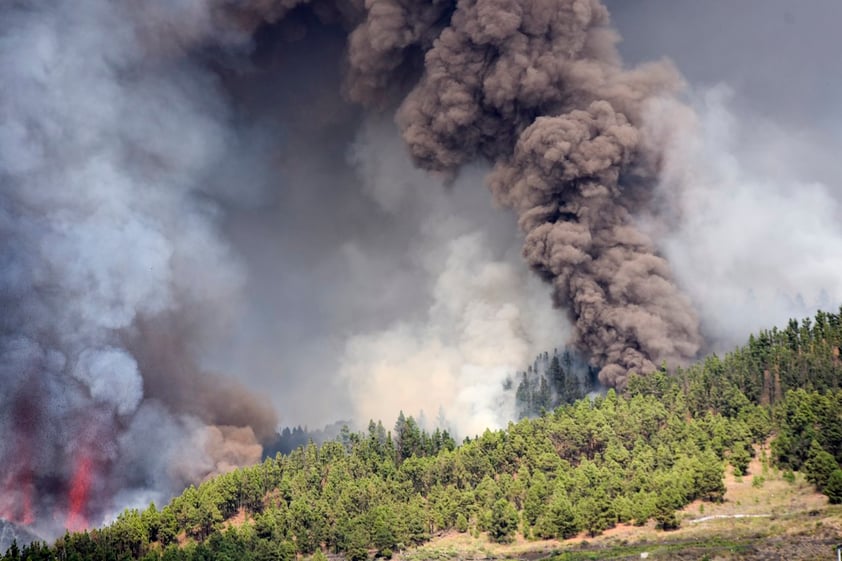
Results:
[625, 466]
[763, 516]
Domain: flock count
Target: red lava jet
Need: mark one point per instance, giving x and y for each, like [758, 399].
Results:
[80, 487]
[20, 480]
[88, 467]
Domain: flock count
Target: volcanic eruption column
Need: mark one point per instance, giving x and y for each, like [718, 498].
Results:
[112, 257]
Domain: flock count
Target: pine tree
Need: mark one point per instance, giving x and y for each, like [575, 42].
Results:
[504, 522]
[559, 520]
[709, 483]
[461, 523]
[833, 488]
[819, 466]
[356, 548]
[740, 458]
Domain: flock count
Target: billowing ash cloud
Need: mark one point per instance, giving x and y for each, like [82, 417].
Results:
[203, 196]
[564, 180]
[537, 87]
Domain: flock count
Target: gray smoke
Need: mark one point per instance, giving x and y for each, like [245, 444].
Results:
[484, 314]
[111, 257]
[750, 174]
[117, 275]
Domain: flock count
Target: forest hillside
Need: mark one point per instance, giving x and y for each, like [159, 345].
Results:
[632, 457]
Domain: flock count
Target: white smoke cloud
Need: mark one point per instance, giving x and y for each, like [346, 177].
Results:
[484, 315]
[112, 376]
[754, 231]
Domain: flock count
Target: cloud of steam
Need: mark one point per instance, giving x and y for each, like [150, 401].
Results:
[749, 199]
[481, 325]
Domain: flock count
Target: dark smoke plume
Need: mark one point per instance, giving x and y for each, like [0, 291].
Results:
[537, 88]
[114, 263]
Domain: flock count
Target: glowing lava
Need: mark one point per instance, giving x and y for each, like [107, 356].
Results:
[80, 487]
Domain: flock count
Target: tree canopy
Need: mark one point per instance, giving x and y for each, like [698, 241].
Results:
[587, 465]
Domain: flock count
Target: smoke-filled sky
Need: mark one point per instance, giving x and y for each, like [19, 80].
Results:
[762, 208]
[220, 216]
[756, 246]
